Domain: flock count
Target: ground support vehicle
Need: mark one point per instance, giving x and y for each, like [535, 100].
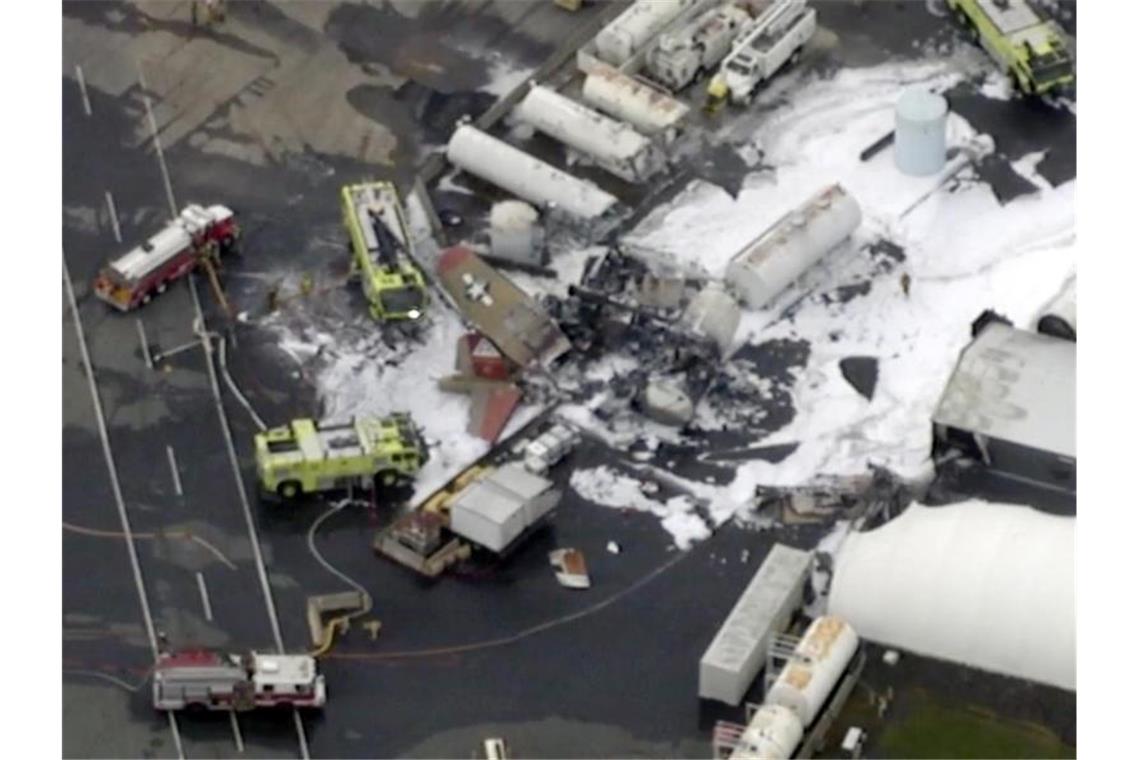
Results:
[197, 234]
[1030, 50]
[378, 233]
[777, 36]
[307, 456]
[208, 680]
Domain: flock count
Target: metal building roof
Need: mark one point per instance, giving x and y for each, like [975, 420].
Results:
[1015, 386]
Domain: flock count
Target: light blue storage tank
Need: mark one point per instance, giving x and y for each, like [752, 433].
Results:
[920, 132]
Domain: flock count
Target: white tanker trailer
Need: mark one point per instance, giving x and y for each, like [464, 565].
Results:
[637, 25]
[647, 109]
[524, 175]
[791, 246]
[616, 147]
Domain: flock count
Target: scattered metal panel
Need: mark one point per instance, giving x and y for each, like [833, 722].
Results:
[1014, 385]
[570, 568]
[737, 653]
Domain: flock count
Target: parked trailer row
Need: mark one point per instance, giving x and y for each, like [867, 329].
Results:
[524, 175]
[616, 147]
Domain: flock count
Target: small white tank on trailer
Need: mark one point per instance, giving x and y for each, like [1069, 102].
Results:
[773, 734]
[622, 37]
[618, 148]
[515, 232]
[820, 658]
[920, 132]
[701, 44]
[791, 246]
[524, 175]
[649, 110]
[1059, 317]
[714, 313]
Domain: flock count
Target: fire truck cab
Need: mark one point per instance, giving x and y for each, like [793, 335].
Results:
[207, 680]
[131, 280]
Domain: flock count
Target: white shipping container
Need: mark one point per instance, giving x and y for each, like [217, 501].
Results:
[740, 648]
[647, 109]
[819, 661]
[614, 146]
[495, 510]
[773, 734]
[524, 175]
[791, 246]
[623, 36]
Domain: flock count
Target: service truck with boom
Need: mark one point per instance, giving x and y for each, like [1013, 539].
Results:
[196, 234]
[1030, 50]
[378, 233]
[307, 456]
[776, 36]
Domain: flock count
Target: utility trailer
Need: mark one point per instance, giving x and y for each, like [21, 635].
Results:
[776, 37]
[197, 233]
[374, 217]
[697, 46]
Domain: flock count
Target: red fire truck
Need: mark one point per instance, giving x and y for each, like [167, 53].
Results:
[132, 279]
[208, 680]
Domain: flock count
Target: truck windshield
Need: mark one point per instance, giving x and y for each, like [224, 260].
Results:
[1047, 73]
[739, 68]
[403, 301]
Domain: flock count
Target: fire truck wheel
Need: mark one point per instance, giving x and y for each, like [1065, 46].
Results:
[387, 478]
[146, 298]
[160, 288]
[289, 489]
[196, 708]
[227, 243]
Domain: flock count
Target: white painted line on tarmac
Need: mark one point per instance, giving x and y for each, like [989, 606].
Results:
[238, 741]
[83, 88]
[145, 346]
[158, 147]
[174, 470]
[114, 216]
[124, 521]
[205, 596]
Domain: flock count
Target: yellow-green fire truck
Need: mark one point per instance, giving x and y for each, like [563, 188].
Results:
[392, 283]
[1031, 50]
[307, 456]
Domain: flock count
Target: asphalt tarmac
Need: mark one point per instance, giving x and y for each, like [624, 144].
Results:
[271, 113]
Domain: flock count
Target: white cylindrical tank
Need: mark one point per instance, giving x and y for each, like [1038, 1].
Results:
[792, 245]
[622, 37]
[618, 148]
[714, 313]
[773, 734]
[1059, 317]
[920, 132]
[515, 232]
[524, 175]
[822, 655]
[648, 110]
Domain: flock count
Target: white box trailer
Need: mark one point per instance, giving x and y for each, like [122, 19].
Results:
[524, 175]
[791, 246]
[616, 147]
[740, 649]
[699, 45]
[621, 38]
[649, 110]
[500, 507]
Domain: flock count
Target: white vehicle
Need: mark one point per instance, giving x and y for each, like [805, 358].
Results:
[549, 449]
[207, 680]
[697, 46]
[773, 39]
[614, 146]
[623, 36]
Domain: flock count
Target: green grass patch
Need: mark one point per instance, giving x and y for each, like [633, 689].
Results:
[927, 729]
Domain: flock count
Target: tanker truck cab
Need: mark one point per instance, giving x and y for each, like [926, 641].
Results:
[306, 456]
